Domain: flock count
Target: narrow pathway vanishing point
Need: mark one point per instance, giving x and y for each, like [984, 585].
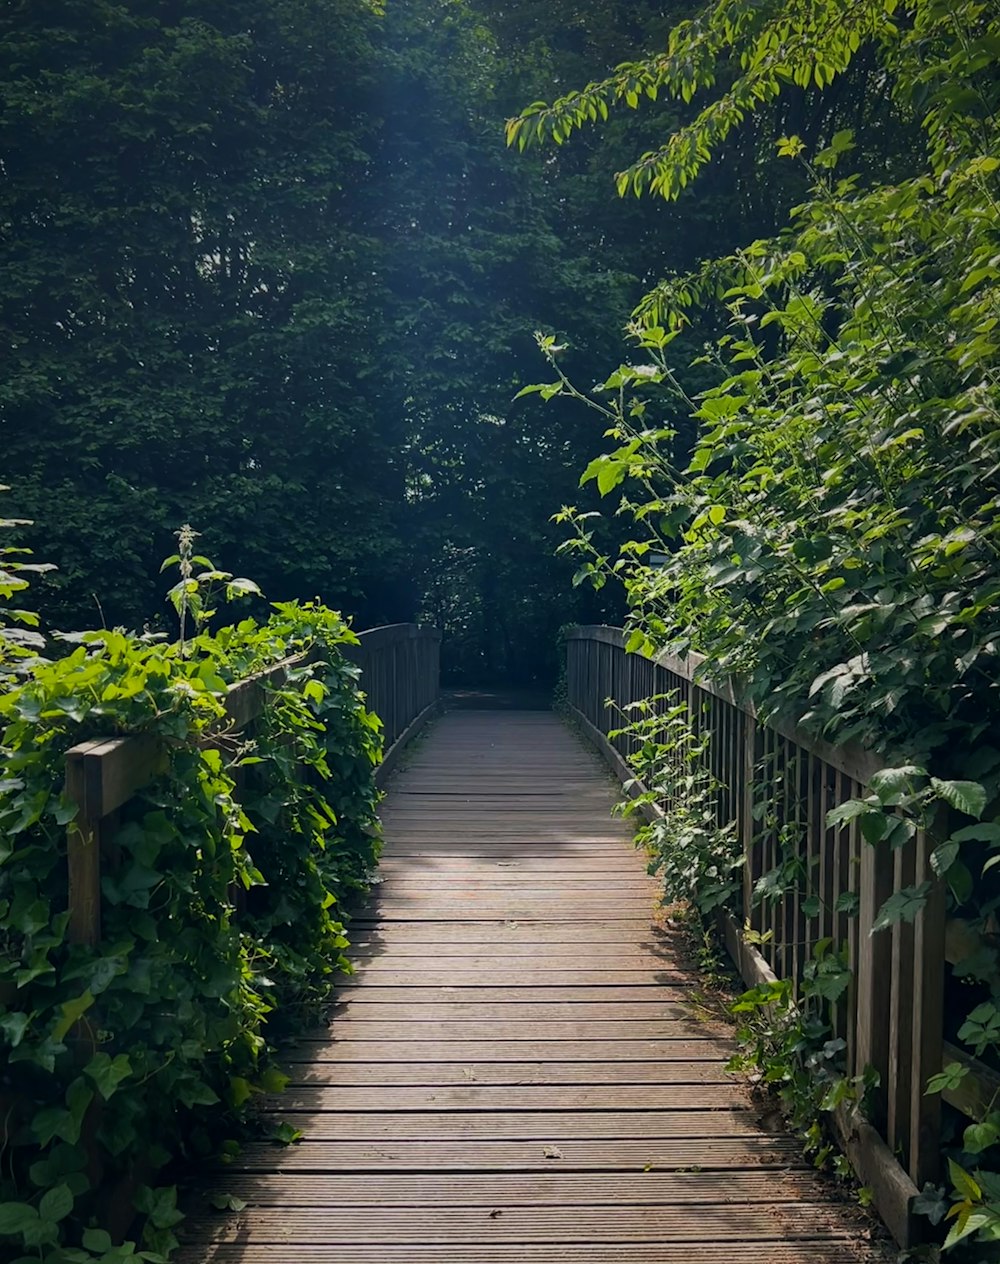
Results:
[515, 1074]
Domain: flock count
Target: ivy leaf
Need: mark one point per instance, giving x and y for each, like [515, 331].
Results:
[107, 1072]
[285, 1134]
[71, 1012]
[13, 1026]
[931, 1202]
[227, 1202]
[240, 1090]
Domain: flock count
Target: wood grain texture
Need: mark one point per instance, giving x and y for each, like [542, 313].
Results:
[521, 1068]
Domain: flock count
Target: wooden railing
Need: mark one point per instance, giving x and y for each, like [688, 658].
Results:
[777, 785]
[399, 674]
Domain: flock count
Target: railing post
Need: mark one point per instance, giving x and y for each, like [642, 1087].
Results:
[83, 854]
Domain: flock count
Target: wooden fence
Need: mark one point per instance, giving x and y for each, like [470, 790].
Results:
[777, 785]
[399, 674]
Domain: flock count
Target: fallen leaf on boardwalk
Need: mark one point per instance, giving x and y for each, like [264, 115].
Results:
[468, 1073]
[647, 1167]
[227, 1202]
[495, 1212]
[552, 1152]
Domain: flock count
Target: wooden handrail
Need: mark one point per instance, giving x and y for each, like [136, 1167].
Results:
[775, 782]
[400, 674]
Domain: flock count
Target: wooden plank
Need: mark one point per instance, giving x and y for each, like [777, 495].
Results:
[373, 993]
[528, 948]
[535, 1125]
[484, 1155]
[506, 931]
[978, 1093]
[610, 959]
[683, 1071]
[491, 976]
[349, 1225]
[325, 1099]
[416, 1014]
[517, 1030]
[514, 1188]
[829, 1252]
[413, 1050]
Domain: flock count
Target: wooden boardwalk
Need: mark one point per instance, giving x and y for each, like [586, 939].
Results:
[517, 1073]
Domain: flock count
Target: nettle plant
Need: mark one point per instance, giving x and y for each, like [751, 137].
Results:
[20, 640]
[697, 857]
[831, 539]
[223, 912]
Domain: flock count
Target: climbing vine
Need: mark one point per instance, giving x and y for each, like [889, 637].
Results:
[224, 897]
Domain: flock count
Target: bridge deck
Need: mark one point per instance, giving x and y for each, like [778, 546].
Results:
[518, 1072]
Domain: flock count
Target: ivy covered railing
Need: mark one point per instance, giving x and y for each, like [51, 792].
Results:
[825, 911]
[185, 828]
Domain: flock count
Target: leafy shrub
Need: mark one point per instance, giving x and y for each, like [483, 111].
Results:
[222, 911]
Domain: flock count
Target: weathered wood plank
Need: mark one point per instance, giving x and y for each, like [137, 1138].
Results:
[827, 1252]
[510, 1097]
[414, 1012]
[367, 1074]
[597, 1030]
[348, 1225]
[499, 1050]
[534, 1189]
[572, 1154]
[542, 1126]
[417, 997]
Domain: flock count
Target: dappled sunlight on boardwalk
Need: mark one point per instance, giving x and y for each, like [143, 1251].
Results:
[517, 1071]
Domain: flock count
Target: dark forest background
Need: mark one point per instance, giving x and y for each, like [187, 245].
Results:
[270, 269]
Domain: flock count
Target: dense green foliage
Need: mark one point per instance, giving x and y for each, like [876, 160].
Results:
[271, 269]
[224, 889]
[831, 539]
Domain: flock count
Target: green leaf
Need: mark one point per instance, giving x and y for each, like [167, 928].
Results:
[848, 811]
[56, 1203]
[107, 1072]
[984, 832]
[903, 906]
[965, 796]
[227, 1202]
[71, 1012]
[240, 1090]
[963, 1182]
[947, 1080]
[285, 1134]
[17, 1218]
